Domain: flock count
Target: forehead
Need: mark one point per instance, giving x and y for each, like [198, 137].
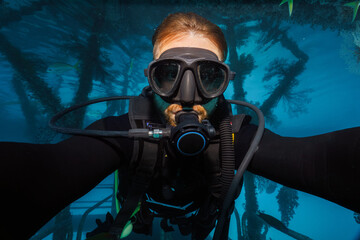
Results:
[189, 53]
[190, 41]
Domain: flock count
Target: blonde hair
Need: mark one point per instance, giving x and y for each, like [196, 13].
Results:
[176, 25]
[171, 110]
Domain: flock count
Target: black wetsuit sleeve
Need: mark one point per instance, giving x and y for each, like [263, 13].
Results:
[39, 180]
[326, 165]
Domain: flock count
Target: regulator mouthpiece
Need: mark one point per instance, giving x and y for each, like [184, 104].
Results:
[190, 137]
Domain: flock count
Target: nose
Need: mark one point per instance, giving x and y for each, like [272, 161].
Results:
[187, 94]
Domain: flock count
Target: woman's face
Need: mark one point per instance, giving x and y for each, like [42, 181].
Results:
[195, 41]
[190, 40]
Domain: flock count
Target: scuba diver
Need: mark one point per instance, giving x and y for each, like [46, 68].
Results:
[175, 151]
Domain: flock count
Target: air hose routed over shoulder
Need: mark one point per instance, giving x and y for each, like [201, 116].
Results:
[227, 157]
[227, 150]
[230, 196]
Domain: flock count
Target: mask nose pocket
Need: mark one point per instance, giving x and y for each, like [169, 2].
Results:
[187, 90]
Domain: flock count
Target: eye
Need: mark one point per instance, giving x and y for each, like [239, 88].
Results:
[164, 75]
[212, 76]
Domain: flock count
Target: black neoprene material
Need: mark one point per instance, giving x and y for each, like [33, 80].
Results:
[326, 165]
[38, 181]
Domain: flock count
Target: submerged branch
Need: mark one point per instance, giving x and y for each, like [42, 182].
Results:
[286, 72]
[89, 60]
[25, 68]
[10, 15]
[273, 222]
[29, 111]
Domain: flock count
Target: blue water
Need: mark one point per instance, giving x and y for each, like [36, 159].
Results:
[334, 105]
[331, 79]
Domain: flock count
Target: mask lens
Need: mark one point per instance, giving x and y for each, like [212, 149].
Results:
[164, 76]
[212, 76]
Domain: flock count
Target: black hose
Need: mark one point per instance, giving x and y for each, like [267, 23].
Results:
[81, 132]
[224, 214]
[227, 152]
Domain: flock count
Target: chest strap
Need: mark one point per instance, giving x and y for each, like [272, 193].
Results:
[140, 182]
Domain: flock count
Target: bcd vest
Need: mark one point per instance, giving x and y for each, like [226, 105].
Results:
[181, 190]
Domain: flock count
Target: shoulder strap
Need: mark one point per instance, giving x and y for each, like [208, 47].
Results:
[212, 168]
[238, 120]
[140, 183]
[143, 160]
[141, 110]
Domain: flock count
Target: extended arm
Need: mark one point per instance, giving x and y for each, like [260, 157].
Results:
[326, 165]
[39, 180]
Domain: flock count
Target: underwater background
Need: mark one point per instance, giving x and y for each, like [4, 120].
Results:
[299, 62]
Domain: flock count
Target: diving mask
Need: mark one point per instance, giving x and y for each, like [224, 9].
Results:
[188, 75]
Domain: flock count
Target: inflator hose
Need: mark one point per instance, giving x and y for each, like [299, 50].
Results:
[227, 152]
[230, 197]
[227, 161]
